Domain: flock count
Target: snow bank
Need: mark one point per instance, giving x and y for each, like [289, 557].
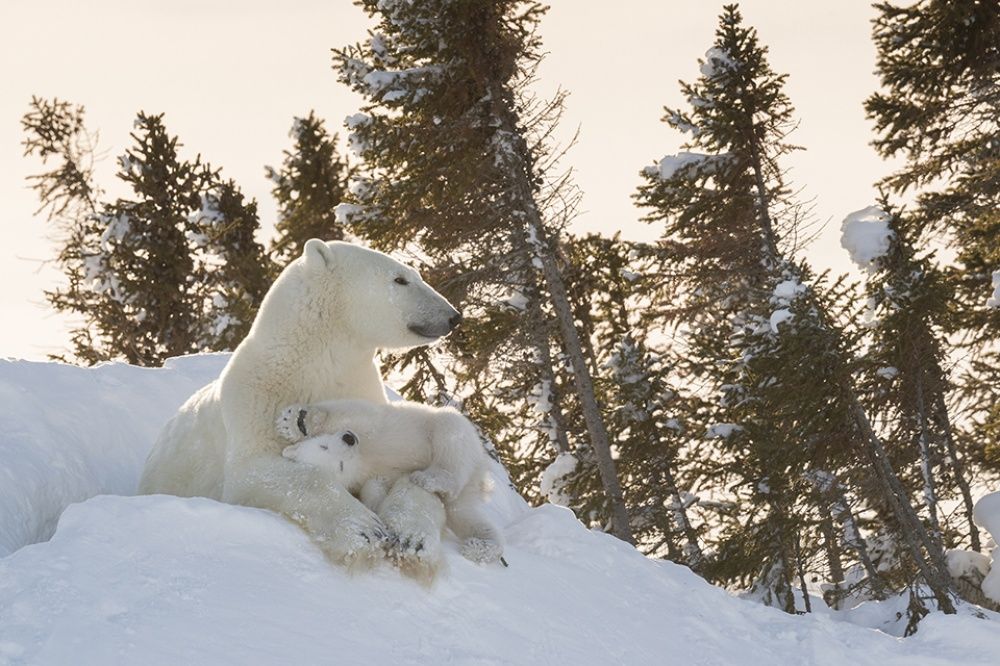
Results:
[162, 580]
[69, 433]
[866, 235]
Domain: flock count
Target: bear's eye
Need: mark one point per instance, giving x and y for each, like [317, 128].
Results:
[401, 280]
[325, 447]
[349, 438]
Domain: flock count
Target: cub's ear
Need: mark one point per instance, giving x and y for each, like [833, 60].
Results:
[317, 253]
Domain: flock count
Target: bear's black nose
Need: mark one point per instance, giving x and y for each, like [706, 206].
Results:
[455, 320]
[349, 438]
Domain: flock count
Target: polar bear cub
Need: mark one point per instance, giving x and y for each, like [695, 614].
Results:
[372, 447]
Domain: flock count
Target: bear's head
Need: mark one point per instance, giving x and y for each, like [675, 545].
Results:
[338, 452]
[378, 299]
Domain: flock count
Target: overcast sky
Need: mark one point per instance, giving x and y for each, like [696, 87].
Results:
[231, 74]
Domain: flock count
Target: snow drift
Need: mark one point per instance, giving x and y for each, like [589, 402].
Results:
[69, 433]
[163, 580]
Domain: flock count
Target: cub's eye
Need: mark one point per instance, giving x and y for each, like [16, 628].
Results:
[401, 280]
[324, 447]
[349, 438]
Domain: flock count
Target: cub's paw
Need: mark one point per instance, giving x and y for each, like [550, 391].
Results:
[481, 551]
[437, 481]
[291, 423]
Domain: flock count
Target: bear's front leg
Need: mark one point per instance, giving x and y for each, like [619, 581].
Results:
[415, 518]
[347, 531]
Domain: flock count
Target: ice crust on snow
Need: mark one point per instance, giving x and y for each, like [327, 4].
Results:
[866, 235]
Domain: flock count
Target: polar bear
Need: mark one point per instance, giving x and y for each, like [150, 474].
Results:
[314, 338]
[372, 447]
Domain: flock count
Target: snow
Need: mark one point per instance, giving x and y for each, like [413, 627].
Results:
[866, 235]
[779, 317]
[687, 164]
[722, 430]
[887, 373]
[786, 290]
[994, 300]
[553, 478]
[717, 60]
[342, 212]
[69, 433]
[163, 580]
[963, 563]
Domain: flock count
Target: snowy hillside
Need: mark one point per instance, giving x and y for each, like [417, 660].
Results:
[162, 580]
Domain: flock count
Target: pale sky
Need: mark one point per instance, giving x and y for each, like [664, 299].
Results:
[231, 74]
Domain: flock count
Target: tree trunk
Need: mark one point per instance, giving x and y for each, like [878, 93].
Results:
[959, 470]
[692, 552]
[934, 572]
[832, 546]
[926, 464]
[517, 157]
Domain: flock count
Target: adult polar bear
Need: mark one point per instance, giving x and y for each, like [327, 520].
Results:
[314, 339]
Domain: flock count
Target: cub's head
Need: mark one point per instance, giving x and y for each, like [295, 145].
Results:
[379, 300]
[338, 452]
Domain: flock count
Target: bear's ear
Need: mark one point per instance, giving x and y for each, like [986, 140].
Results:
[317, 253]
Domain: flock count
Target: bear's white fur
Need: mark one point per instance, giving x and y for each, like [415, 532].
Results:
[371, 448]
[314, 338]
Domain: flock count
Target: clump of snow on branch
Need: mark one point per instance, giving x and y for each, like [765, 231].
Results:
[686, 164]
[552, 483]
[717, 61]
[866, 235]
[779, 317]
[722, 430]
[994, 300]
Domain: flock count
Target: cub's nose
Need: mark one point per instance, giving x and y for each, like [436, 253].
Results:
[455, 320]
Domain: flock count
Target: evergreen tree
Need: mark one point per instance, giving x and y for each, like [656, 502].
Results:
[763, 332]
[171, 270]
[455, 166]
[908, 299]
[938, 109]
[312, 181]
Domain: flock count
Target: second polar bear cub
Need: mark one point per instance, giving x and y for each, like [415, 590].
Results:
[370, 446]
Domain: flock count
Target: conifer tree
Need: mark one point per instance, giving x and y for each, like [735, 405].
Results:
[171, 270]
[311, 182]
[454, 167]
[908, 300]
[938, 110]
[762, 331]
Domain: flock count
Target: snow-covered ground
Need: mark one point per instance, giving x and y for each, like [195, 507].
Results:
[163, 580]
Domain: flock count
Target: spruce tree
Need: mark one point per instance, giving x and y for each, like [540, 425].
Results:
[170, 270]
[908, 303]
[454, 168]
[938, 109]
[310, 184]
[763, 331]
